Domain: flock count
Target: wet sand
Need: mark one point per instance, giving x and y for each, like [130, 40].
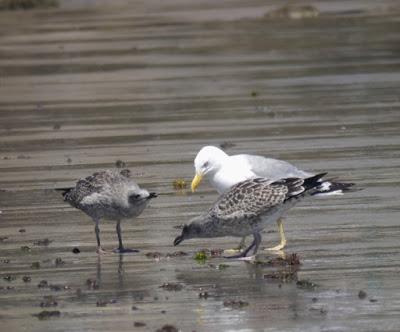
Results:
[149, 84]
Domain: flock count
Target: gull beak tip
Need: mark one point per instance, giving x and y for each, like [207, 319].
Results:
[178, 240]
[195, 182]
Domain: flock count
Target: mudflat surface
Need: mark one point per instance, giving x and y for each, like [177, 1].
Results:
[149, 83]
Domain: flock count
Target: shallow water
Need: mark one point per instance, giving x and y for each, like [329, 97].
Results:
[149, 84]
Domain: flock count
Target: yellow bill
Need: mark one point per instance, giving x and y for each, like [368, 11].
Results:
[196, 181]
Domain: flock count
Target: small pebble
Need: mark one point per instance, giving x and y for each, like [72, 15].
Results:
[9, 278]
[43, 284]
[35, 265]
[306, 284]
[76, 250]
[169, 286]
[120, 164]
[226, 145]
[48, 301]
[25, 249]
[235, 304]
[26, 279]
[362, 295]
[101, 303]
[92, 284]
[43, 242]
[168, 328]
[58, 261]
[203, 295]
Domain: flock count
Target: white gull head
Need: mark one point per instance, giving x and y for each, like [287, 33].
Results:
[220, 170]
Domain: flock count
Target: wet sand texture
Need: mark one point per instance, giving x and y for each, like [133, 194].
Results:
[147, 83]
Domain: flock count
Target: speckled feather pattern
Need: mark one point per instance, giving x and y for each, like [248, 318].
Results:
[252, 204]
[108, 194]
[252, 197]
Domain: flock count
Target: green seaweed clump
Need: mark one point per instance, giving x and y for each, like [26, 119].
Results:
[200, 256]
[179, 184]
[45, 314]
[27, 4]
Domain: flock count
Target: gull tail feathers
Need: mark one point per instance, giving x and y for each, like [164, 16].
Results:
[298, 186]
[331, 188]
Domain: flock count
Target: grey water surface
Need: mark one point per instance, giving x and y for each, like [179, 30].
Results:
[151, 82]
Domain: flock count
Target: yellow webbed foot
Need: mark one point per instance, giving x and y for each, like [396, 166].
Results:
[278, 247]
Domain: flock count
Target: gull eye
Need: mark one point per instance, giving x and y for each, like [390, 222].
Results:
[134, 196]
[205, 165]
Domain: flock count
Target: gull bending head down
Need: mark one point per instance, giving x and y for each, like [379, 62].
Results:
[224, 171]
[219, 168]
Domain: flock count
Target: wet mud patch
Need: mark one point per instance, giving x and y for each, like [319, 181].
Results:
[63, 120]
[235, 304]
[42, 242]
[48, 301]
[44, 284]
[284, 276]
[306, 284]
[27, 4]
[170, 286]
[158, 255]
[104, 302]
[47, 314]
[92, 284]
[168, 328]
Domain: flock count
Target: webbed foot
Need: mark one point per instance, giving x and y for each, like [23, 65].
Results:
[101, 251]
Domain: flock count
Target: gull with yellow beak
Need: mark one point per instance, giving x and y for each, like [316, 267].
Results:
[224, 171]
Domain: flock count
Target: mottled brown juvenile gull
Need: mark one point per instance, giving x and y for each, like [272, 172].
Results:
[248, 207]
[224, 171]
[109, 194]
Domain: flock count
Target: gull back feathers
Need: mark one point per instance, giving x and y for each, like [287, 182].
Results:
[251, 198]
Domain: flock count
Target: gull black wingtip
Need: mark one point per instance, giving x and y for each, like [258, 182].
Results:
[153, 195]
[178, 240]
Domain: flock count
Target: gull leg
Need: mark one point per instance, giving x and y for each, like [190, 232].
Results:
[281, 245]
[257, 241]
[121, 249]
[99, 249]
[255, 244]
[239, 247]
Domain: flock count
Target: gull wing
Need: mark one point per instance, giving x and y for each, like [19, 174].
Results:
[273, 169]
[249, 199]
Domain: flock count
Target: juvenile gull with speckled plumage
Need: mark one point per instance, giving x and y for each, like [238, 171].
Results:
[109, 194]
[248, 207]
[223, 171]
